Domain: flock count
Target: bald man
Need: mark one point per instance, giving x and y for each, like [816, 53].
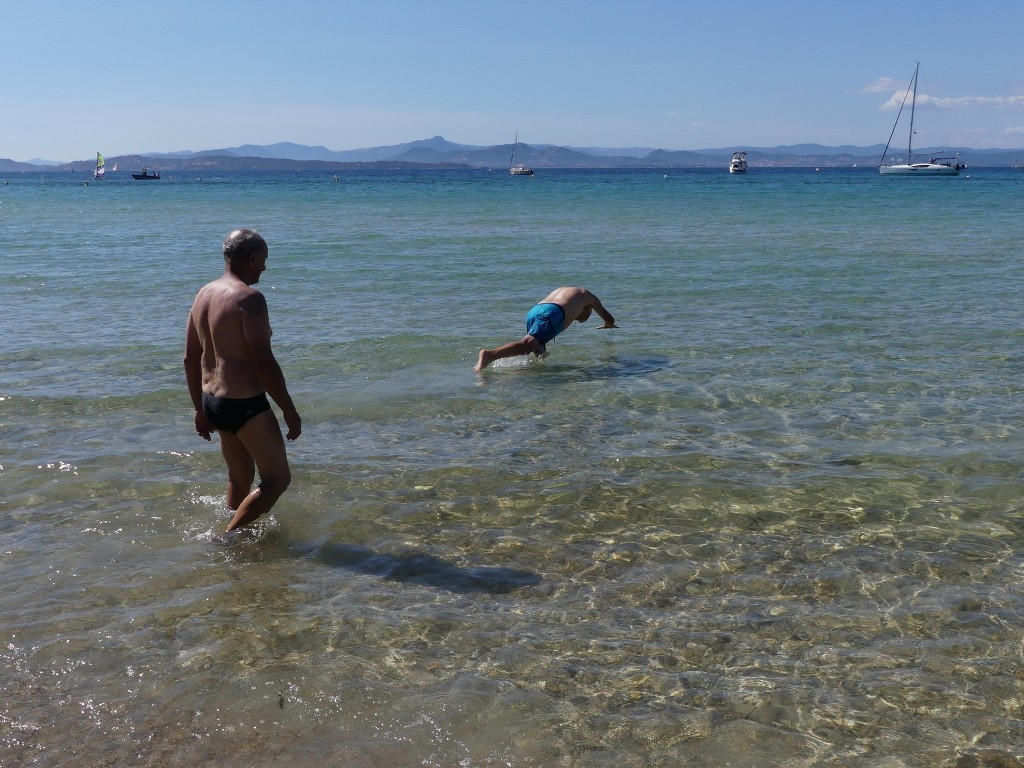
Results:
[230, 368]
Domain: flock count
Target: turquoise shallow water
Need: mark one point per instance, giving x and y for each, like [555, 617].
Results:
[774, 519]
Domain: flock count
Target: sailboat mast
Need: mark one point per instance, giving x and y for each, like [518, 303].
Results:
[511, 159]
[913, 104]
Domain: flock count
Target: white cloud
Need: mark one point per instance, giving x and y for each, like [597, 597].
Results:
[896, 100]
[995, 102]
[961, 102]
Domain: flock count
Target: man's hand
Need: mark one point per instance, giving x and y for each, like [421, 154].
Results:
[203, 426]
[294, 422]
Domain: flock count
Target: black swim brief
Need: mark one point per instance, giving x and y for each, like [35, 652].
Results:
[230, 414]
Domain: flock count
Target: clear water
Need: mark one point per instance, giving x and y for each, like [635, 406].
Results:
[774, 519]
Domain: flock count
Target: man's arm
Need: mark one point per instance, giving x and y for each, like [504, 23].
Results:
[256, 330]
[194, 377]
[609, 321]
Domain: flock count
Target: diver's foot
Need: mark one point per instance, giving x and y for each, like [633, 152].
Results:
[483, 360]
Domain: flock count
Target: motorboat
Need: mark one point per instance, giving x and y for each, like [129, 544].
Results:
[738, 164]
[146, 175]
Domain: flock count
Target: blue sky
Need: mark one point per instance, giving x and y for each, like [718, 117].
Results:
[133, 76]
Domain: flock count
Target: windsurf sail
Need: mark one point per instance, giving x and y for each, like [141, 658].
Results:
[99, 166]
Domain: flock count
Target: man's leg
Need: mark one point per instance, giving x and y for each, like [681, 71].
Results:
[241, 469]
[524, 346]
[261, 440]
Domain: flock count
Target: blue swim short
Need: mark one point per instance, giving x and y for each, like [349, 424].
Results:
[544, 322]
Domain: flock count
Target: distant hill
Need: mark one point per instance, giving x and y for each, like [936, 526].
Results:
[13, 165]
[437, 152]
[289, 151]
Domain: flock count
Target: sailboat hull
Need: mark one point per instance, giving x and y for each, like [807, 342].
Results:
[919, 169]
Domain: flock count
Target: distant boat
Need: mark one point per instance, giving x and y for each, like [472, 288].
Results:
[738, 164]
[146, 175]
[114, 169]
[935, 166]
[517, 170]
[99, 167]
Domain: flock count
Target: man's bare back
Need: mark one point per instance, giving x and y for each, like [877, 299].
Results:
[226, 312]
[577, 304]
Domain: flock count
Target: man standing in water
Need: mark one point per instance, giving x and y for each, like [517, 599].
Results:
[230, 368]
[548, 319]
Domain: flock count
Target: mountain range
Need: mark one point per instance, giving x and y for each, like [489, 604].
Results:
[437, 152]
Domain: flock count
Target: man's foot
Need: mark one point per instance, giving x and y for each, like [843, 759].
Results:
[483, 361]
[230, 538]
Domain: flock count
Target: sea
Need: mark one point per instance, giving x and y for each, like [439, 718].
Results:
[776, 518]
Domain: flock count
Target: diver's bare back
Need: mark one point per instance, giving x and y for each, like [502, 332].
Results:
[572, 301]
[221, 312]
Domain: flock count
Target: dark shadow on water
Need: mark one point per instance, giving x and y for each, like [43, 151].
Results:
[621, 367]
[255, 545]
[431, 571]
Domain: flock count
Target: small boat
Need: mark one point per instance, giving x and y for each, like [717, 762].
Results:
[146, 175]
[99, 167]
[738, 164]
[520, 169]
[935, 166]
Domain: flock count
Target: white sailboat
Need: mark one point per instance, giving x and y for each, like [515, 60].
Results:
[517, 170]
[99, 167]
[935, 166]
